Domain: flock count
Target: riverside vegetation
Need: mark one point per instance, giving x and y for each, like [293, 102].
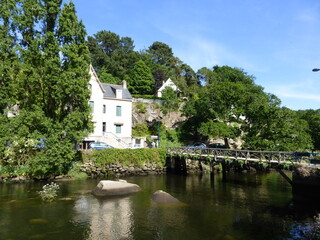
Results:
[118, 162]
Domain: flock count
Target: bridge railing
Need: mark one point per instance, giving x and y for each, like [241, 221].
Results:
[247, 155]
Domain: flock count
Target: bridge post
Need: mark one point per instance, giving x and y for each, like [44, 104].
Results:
[224, 170]
[211, 170]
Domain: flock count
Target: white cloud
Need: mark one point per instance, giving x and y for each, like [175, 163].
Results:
[304, 90]
[308, 15]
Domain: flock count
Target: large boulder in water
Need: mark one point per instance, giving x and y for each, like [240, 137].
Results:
[114, 188]
[163, 198]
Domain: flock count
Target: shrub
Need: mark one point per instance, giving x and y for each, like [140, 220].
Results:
[141, 108]
[127, 157]
[140, 130]
[75, 171]
[49, 192]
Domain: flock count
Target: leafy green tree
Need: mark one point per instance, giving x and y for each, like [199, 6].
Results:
[161, 53]
[51, 85]
[313, 119]
[106, 77]
[282, 130]
[140, 130]
[170, 101]
[113, 55]
[206, 76]
[221, 106]
[9, 67]
[141, 79]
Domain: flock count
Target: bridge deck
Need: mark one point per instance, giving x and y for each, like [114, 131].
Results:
[218, 154]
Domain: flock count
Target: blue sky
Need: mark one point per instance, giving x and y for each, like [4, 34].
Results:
[278, 42]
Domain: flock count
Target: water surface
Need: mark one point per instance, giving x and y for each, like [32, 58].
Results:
[250, 206]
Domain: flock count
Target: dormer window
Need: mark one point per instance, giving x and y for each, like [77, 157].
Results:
[119, 93]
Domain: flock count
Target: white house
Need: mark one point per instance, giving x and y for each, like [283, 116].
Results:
[168, 83]
[111, 113]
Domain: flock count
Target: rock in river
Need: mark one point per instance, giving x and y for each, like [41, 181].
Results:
[163, 198]
[114, 188]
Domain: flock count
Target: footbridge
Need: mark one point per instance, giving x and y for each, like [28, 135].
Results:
[213, 156]
[219, 154]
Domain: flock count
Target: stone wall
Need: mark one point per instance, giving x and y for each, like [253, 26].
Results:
[147, 169]
[122, 170]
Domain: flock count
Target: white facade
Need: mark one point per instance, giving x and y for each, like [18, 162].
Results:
[168, 83]
[111, 113]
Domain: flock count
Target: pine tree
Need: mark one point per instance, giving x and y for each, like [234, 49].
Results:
[141, 79]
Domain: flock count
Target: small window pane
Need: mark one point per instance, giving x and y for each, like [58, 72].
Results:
[118, 129]
[118, 111]
[91, 104]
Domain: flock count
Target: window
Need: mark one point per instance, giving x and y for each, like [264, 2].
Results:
[91, 104]
[104, 127]
[118, 111]
[104, 108]
[118, 129]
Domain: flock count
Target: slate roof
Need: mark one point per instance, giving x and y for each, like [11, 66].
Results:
[110, 91]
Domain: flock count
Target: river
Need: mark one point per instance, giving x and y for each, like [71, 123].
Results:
[247, 206]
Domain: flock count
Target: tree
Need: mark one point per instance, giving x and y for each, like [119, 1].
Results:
[282, 130]
[161, 53]
[221, 107]
[112, 54]
[170, 101]
[312, 117]
[52, 84]
[141, 79]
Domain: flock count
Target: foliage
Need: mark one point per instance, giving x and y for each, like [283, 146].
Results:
[126, 156]
[312, 117]
[221, 102]
[215, 129]
[145, 96]
[281, 131]
[75, 171]
[170, 101]
[161, 53]
[141, 108]
[47, 80]
[106, 77]
[49, 192]
[141, 80]
[140, 130]
[170, 138]
[112, 55]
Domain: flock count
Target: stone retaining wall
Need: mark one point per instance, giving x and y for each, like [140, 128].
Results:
[121, 170]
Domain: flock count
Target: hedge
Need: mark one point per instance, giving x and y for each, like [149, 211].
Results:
[136, 157]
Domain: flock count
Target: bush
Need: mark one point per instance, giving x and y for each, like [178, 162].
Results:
[49, 192]
[140, 130]
[126, 157]
[145, 96]
[141, 108]
[75, 171]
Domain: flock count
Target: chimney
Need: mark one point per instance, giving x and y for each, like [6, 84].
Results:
[124, 84]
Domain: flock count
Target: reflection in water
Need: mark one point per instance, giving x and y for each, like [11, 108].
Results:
[257, 206]
[107, 218]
